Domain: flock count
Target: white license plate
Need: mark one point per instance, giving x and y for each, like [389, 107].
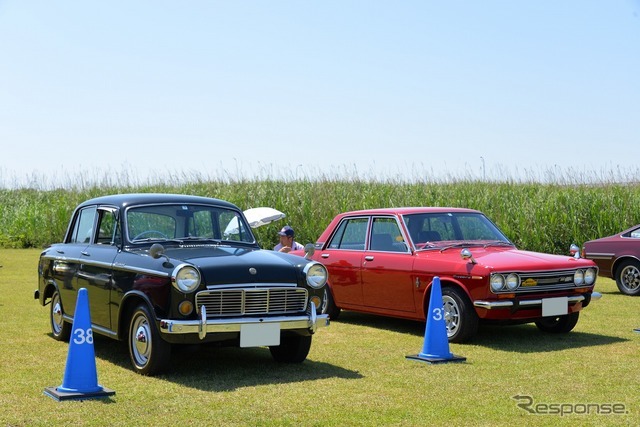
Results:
[555, 306]
[259, 334]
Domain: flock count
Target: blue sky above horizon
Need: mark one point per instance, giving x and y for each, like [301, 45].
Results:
[294, 88]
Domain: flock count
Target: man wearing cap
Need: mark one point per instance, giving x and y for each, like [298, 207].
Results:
[287, 243]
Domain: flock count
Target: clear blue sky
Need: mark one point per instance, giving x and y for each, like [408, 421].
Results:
[310, 88]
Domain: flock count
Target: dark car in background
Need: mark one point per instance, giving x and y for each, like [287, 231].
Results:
[618, 258]
[162, 270]
[383, 261]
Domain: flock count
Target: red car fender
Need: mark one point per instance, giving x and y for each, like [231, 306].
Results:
[445, 281]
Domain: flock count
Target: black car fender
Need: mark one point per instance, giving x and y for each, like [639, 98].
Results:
[129, 302]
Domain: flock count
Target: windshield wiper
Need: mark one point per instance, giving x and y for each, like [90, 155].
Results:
[498, 243]
[199, 239]
[151, 239]
[460, 245]
[425, 246]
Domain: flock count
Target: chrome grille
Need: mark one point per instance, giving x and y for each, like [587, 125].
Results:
[252, 302]
[547, 281]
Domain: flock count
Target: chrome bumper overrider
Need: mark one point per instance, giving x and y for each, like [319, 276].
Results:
[530, 303]
[204, 326]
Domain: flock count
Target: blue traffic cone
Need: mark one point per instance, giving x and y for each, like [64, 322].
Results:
[80, 375]
[436, 342]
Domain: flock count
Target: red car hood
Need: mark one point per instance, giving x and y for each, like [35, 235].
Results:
[506, 259]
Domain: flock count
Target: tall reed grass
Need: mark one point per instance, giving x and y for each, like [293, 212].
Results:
[538, 216]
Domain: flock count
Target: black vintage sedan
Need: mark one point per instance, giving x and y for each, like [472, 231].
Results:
[164, 269]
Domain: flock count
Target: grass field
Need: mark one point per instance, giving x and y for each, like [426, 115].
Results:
[356, 374]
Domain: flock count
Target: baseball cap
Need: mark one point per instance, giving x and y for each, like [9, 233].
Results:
[286, 231]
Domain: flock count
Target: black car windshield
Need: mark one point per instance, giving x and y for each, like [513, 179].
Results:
[437, 230]
[186, 222]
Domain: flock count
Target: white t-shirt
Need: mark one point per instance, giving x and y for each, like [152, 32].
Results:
[295, 246]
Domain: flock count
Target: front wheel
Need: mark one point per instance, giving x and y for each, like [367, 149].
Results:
[60, 329]
[149, 353]
[292, 349]
[460, 316]
[628, 277]
[559, 324]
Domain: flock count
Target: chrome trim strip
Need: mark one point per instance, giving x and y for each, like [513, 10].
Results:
[493, 304]
[94, 327]
[130, 268]
[104, 331]
[120, 267]
[538, 302]
[489, 305]
[596, 255]
[250, 286]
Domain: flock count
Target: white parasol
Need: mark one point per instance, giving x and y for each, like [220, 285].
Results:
[256, 217]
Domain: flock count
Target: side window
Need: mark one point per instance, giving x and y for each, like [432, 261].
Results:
[106, 228]
[351, 235]
[83, 229]
[386, 236]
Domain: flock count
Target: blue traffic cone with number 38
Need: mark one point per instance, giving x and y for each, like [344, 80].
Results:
[436, 342]
[80, 375]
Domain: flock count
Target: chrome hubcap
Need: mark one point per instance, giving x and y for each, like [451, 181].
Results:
[141, 341]
[451, 315]
[325, 302]
[56, 315]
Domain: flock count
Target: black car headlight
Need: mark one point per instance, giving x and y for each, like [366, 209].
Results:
[185, 278]
[316, 274]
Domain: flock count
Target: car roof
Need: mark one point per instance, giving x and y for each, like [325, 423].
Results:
[131, 199]
[407, 211]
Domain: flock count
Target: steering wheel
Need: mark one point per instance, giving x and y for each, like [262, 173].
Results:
[144, 233]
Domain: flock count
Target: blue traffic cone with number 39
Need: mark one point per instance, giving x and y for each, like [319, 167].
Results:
[436, 342]
[80, 375]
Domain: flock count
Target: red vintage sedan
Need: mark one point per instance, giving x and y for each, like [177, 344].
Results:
[382, 261]
[618, 258]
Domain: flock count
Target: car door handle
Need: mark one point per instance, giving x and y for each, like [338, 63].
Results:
[85, 253]
[368, 258]
[325, 255]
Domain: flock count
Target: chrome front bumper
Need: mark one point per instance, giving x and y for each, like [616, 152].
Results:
[489, 305]
[204, 326]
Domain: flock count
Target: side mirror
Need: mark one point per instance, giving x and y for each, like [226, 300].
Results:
[156, 251]
[309, 250]
[466, 254]
[574, 250]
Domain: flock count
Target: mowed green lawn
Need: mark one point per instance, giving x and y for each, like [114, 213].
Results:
[356, 373]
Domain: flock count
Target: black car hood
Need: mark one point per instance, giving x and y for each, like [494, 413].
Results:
[234, 265]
